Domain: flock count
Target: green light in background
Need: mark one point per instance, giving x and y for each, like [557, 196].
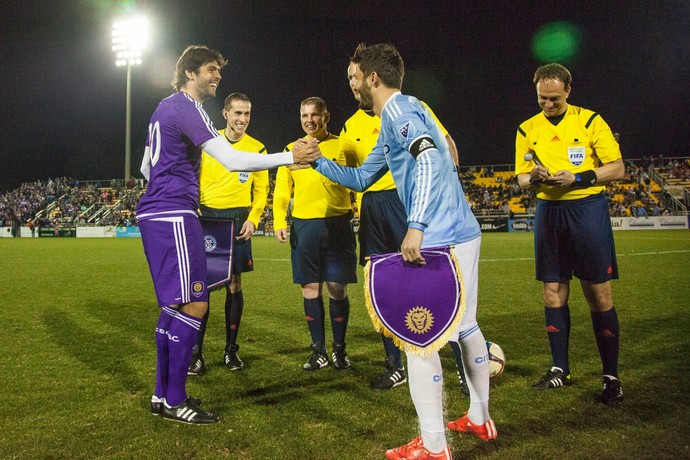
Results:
[556, 41]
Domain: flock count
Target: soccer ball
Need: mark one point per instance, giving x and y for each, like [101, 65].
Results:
[497, 359]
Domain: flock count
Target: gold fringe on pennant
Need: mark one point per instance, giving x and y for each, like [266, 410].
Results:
[437, 344]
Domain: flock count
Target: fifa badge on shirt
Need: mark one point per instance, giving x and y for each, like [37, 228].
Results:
[576, 154]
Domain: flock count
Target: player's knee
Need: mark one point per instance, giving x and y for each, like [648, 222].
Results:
[336, 291]
[311, 290]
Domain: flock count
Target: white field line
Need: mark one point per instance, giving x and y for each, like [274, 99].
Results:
[519, 259]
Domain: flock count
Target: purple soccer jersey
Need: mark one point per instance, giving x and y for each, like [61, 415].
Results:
[167, 213]
[177, 128]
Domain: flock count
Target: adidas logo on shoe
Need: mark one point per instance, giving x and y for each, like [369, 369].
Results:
[553, 378]
[189, 412]
[318, 358]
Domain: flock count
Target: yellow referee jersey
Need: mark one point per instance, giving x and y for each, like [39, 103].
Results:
[358, 138]
[315, 196]
[581, 141]
[222, 189]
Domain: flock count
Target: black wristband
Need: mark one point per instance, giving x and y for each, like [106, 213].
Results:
[585, 179]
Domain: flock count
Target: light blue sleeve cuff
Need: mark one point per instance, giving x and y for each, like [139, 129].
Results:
[417, 225]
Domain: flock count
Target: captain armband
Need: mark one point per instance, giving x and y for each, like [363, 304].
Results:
[420, 145]
[585, 179]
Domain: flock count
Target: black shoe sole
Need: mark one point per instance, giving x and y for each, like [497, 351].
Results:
[186, 422]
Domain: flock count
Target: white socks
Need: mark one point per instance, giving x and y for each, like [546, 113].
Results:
[475, 358]
[426, 388]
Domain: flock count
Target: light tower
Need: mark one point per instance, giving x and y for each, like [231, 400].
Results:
[130, 37]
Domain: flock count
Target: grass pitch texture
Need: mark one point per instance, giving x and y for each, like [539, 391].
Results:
[78, 361]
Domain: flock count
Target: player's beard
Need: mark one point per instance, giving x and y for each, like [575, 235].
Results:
[366, 99]
[206, 91]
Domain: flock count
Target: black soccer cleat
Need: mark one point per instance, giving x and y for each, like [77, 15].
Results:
[157, 405]
[339, 356]
[318, 358]
[553, 378]
[189, 412]
[232, 361]
[391, 377]
[613, 392]
[197, 366]
[462, 380]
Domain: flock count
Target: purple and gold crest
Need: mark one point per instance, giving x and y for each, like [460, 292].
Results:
[197, 288]
[419, 306]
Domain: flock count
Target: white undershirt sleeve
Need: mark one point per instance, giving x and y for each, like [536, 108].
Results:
[146, 164]
[237, 160]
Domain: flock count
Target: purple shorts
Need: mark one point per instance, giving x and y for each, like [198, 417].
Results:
[174, 248]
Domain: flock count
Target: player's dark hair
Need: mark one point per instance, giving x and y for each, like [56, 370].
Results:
[356, 58]
[193, 57]
[553, 71]
[317, 101]
[383, 59]
[235, 97]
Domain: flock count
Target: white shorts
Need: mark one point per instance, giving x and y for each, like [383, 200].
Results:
[468, 260]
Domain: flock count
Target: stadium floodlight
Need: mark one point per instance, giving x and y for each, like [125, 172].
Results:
[130, 37]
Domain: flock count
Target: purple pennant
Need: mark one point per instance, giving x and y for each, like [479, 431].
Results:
[419, 306]
[218, 242]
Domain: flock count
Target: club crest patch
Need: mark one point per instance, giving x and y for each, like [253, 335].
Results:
[210, 243]
[197, 288]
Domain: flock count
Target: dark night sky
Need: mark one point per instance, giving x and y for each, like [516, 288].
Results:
[64, 99]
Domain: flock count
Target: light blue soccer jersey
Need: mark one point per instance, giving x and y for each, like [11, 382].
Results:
[428, 184]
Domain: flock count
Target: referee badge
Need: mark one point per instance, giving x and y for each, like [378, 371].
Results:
[576, 154]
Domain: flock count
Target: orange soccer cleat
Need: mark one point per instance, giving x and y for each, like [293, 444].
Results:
[415, 450]
[486, 431]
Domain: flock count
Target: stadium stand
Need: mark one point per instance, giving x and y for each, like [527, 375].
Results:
[652, 186]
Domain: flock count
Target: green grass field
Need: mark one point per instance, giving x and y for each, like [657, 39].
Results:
[78, 357]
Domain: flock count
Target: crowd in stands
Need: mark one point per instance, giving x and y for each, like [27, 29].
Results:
[24, 203]
[64, 201]
[673, 169]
